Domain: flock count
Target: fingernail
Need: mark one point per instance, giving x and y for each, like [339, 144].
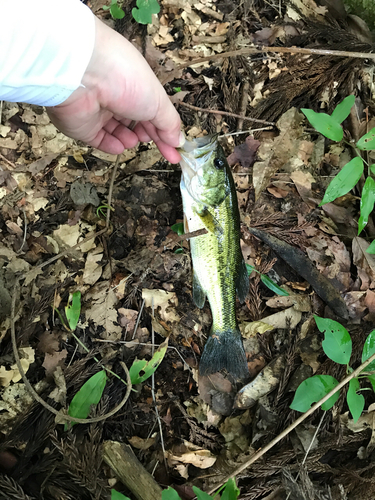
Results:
[182, 140]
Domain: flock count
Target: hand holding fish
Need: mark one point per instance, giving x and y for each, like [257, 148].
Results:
[119, 87]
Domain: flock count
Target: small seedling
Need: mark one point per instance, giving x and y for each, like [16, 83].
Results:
[100, 211]
[144, 10]
[350, 174]
[115, 10]
[268, 282]
[178, 228]
[337, 345]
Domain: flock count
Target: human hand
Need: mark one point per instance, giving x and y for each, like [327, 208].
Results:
[119, 87]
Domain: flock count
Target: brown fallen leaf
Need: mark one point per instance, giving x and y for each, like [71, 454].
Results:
[245, 153]
[364, 261]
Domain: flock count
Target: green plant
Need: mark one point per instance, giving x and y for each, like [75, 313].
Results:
[178, 228]
[92, 390]
[142, 13]
[229, 492]
[115, 10]
[267, 281]
[100, 210]
[350, 174]
[337, 345]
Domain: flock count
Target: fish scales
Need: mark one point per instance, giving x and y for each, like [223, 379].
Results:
[219, 272]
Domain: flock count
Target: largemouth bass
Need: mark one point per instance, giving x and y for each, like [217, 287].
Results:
[219, 271]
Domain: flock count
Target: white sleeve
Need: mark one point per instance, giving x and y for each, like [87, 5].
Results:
[45, 48]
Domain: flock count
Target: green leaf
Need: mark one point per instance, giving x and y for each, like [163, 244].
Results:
[344, 181]
[367, 141]
[201, 495]
[141, 369]
[179, 250]
[342, 110]
[369, 350]
[116, 495]
[367, 202]
[356, 402]
[371, 248]
[273, 286]
[249, 268]
[231, 492]
[324, 124]
[372, 168]
[177, 89]
[116, 11]
[178, 228]
[170, 494]
[105, 7]
[312, 390]
[143, 15]
[73, 310]
[337, 343]
[89, 394]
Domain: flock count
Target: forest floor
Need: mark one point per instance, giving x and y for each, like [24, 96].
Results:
[134, 274]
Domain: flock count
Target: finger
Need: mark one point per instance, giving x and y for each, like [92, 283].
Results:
[112, 144]
[143, 136]
[169, 153]
[167, 121]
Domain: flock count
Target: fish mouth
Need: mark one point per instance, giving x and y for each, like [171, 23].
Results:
[199, 147]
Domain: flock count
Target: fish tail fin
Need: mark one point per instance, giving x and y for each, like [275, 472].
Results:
[224, 350]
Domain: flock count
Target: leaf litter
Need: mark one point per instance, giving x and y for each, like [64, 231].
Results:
[136, 290]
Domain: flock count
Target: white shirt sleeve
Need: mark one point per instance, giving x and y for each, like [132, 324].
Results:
[45, 48]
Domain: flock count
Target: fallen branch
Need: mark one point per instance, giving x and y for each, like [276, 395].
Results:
[226, 113]
[120, 457]
[292, 426]
[259, 50]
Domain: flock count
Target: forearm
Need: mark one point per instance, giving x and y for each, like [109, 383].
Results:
[45, 51]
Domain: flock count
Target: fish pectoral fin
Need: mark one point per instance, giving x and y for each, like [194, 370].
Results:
[242, 282]
[199, 296]
[209, 221]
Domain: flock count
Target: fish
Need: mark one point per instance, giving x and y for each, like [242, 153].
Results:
[219, 271]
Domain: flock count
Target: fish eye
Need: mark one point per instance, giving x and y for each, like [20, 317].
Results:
[219, 163]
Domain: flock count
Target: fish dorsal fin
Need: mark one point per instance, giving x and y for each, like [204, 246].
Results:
[199, 296]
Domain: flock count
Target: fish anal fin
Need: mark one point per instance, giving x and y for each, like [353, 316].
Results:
[199, 296]
[242, 282]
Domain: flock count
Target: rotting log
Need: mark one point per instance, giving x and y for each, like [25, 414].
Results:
[120, 457]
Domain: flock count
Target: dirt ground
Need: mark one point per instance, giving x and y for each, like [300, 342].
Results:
[134, 273]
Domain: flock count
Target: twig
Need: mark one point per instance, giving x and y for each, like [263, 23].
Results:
[292, 426]
[226, 113]
[7, 161]
[153, 391]
[136, 344]
[249, 131]
[110, 191]
[309, 448]
[112, 183]
[61, 416]
[24, 231]
[243, 104]
[259, 50]
[138, 319]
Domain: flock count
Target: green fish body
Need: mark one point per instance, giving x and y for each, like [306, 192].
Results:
[219, 271]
